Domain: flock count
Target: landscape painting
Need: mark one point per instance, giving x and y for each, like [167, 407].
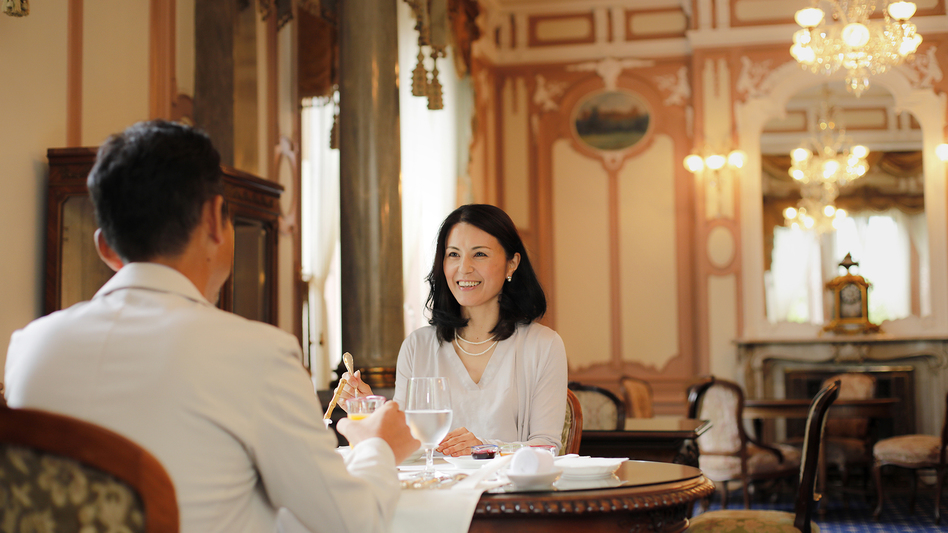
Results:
[611, 120]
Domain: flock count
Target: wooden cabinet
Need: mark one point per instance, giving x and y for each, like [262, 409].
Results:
[74, 271]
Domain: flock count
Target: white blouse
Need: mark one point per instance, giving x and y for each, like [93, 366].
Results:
[521, 396]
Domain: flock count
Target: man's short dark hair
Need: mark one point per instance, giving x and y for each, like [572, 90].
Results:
[149, 185]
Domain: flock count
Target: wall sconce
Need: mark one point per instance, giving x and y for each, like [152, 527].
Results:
[942, 151]
[717, 201]
[736, 159]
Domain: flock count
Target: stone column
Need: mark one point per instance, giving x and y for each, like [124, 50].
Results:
[370, 171]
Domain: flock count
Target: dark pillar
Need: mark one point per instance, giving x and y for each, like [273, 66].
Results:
[370, 170]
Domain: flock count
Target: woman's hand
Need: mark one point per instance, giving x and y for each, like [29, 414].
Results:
[354, 387]
[458, 443]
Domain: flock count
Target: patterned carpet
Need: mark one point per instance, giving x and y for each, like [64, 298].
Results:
[857, 518]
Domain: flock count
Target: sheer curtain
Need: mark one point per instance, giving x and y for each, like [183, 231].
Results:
[434, 159]
[881, 242]
[320, 254]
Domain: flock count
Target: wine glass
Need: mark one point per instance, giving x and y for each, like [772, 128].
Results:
[429, 415]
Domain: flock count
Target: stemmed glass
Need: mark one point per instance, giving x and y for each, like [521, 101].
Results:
[429, 415]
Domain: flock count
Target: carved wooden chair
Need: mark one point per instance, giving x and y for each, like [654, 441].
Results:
[572, 425]
[800, 520]
[75, 476]
[602, 409]
[637, 394]
[914, 452]
[727, 452]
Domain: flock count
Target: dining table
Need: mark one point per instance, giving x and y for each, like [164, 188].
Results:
[639, 496]
[668, 439]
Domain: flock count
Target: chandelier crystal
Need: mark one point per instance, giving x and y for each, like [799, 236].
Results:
[822, 165]
[847, 39]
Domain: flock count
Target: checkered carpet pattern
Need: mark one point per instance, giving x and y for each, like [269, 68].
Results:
[857, 518]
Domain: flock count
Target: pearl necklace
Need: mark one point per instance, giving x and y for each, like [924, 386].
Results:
[458, 338]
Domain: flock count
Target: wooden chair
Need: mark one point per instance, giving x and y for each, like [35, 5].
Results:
[637, 394]
[914, 452]
[780, 521]
[572, 425]
[602, 409]
[80, 476]
[727, 452]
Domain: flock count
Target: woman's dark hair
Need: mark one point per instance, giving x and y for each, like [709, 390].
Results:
[149, 185]
[521, 300]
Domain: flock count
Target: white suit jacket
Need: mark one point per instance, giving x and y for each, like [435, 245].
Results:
[223, 403]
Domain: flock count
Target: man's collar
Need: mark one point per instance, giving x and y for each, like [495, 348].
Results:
[152, 276]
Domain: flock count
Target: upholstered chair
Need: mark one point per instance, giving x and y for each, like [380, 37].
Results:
[65, 475]
[637, 394]
[572, 425]
[602, 409]
[727, 452]
[914, 452]
[799, 521]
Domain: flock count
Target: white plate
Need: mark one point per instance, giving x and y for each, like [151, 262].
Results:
[575, 467]
[466, 461]
[534, 481]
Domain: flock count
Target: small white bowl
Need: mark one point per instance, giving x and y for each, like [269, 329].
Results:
[535, 481]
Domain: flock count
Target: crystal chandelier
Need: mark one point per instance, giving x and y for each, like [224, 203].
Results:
[816, 210]
[822, 165]
[852, 42]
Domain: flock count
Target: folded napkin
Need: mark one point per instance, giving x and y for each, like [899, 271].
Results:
[445, 511]
[590, 466]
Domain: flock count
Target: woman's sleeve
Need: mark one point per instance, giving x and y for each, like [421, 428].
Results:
[548, 407]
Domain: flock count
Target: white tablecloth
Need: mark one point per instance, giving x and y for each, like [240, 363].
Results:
[446, 510]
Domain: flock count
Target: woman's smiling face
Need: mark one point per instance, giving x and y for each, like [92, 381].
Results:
[476, 265]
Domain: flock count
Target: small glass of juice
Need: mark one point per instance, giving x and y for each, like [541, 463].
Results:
[363, 406]
[511, 448]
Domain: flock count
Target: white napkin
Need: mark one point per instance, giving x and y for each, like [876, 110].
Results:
[445, 511]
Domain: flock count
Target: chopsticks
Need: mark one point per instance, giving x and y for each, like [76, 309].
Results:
[335, 398]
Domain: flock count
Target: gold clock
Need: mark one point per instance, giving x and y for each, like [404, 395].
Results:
[850, 302]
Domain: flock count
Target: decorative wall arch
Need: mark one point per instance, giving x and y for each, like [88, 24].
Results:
[928, 108]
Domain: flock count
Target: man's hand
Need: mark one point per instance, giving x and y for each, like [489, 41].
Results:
[387, 423]
[354, 387]
[458, 442]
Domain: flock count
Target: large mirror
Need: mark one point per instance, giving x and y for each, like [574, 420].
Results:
[882, 223]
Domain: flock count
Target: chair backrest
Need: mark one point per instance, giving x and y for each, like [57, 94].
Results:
[852, 386]
[81, 475]
[572, 425]
[815, 426]
[602, 409]
[721, 402]
[637, 394]
[695, 392]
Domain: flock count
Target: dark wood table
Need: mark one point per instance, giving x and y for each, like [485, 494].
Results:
[666, 439]
[649, 496]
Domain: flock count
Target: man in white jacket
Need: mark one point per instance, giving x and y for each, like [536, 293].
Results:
[221, 401]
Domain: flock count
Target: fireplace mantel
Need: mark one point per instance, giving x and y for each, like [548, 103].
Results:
[764, 363]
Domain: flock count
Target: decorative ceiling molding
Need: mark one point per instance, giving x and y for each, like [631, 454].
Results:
[610, 68]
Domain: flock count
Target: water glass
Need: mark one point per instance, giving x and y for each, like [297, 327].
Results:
[429, 415]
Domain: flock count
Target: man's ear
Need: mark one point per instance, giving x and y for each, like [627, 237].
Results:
[215, 219]
[106, 253]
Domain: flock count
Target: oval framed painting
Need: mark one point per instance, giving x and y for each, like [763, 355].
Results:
[612, 120]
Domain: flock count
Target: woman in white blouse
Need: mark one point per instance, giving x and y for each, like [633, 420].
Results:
[507, 373]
